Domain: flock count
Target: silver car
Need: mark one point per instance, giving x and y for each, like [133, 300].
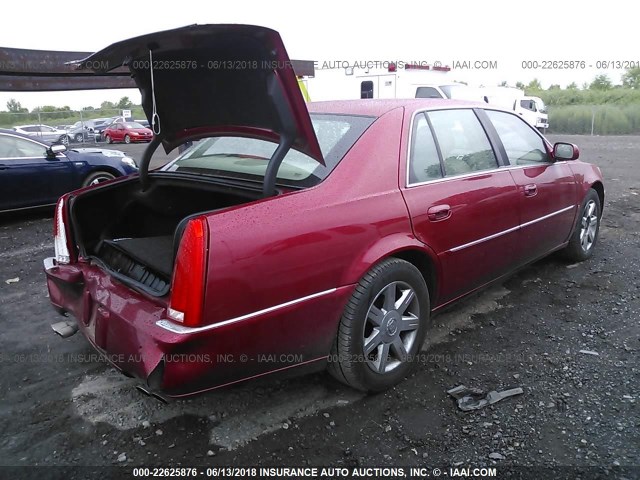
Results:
[44, 133]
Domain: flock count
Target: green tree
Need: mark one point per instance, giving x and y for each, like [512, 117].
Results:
[631, 78]
[13, 106]
[601, 82]
[534, 85]
[125, 103]
[572, 86]
[106, 105]
[555, 86]
[520, 85]
[88, 109]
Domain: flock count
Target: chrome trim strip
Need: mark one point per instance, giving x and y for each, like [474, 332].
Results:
[510, 230]
[182, 330]
[485, 239]
[531, 222]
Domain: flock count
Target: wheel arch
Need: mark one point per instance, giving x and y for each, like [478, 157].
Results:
[405, 248]
[598, 186]
[101, 168]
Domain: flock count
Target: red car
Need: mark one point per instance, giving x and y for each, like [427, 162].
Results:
[287, 239]
[127, 132]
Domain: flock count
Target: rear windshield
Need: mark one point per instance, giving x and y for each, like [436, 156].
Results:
[247, 158]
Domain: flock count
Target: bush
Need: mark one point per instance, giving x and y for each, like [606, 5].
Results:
[607, 119]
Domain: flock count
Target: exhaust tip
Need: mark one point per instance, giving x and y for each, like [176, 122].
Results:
[65, 329]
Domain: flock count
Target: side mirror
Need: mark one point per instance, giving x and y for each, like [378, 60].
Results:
[565, 151]
[56, 148]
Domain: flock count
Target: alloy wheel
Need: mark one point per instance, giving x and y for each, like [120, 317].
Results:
[391, 327]
[589, 225]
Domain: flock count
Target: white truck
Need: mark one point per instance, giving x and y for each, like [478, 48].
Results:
[531, 109]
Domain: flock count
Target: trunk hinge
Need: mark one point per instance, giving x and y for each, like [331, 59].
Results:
[289, 131]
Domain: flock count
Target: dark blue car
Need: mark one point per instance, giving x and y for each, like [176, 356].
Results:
[33, 173]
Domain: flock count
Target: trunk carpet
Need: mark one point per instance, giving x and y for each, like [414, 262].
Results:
[155, 253]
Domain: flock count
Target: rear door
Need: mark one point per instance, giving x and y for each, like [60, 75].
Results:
[461, 201]
[28, 177]
[546, 189]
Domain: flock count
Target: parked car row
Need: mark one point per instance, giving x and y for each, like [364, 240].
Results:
[92, 130]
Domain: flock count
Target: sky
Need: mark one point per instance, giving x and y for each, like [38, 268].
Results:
[500, 32]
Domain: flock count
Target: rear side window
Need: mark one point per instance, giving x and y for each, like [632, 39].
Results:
[463, 142]
[247, 158]
[522, 144]
[424, 164]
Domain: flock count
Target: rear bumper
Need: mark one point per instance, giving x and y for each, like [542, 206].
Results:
[129, 329]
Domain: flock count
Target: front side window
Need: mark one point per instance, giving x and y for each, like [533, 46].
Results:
[247, 158]
[522, 144]
[14, 147]
[427, 92]
[424, 164]
[463, 142]
[528, 105]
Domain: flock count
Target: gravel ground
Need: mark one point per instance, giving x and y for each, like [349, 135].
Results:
[62, 406]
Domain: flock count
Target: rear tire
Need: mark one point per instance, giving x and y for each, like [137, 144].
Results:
[97, 177]
[382, 328]
[585, 232]
[79, 137]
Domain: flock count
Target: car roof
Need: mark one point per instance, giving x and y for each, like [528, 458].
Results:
[377, 108]
[22, 135]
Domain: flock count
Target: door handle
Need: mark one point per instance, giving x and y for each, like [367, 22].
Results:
[530, 190]
[439, 212]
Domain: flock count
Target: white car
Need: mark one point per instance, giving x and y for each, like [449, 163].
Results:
[44, 133]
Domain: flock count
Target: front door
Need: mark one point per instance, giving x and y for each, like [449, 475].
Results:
[546, 189]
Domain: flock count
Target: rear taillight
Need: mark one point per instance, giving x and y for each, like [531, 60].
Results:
[60, 234]
[188, 283]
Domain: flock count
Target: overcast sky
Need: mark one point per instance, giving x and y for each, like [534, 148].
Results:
[326, 30]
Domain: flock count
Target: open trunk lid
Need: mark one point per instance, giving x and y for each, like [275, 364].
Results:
[206, 80]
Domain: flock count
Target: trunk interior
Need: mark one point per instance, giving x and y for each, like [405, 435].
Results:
[135, 234]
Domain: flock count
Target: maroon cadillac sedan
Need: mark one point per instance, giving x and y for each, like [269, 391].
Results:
[300, 237]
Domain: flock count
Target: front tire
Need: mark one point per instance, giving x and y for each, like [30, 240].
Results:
[585, 233]
[127, 139]
[382, 328]
[97, 177]
[79, 137]
[108, 139]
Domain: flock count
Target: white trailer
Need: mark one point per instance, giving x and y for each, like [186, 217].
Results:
[377, 80]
